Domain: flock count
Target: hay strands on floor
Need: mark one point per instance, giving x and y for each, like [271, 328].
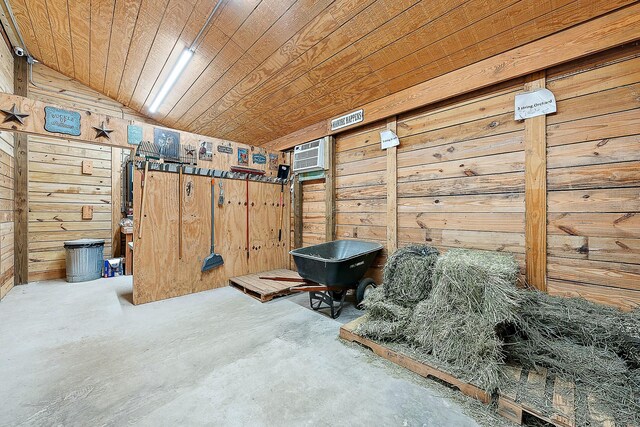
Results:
[347, 333]
[512, 402]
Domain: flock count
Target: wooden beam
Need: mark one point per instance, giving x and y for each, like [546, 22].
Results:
[535, 142]
[297, 212]
[594, 36]
[21, 183]
[116, 200]
[34, 124]
[330, 190]
[392, 191]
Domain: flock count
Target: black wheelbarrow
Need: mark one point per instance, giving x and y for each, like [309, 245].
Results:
[330, 269]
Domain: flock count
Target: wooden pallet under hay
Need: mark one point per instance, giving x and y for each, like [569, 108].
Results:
[264, 289]
[347, 333]
[512, 404]
[534, 386]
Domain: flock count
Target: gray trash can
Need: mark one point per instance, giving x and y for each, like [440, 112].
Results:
[84, 259]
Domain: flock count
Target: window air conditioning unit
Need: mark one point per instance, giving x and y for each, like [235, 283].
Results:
[310, 156]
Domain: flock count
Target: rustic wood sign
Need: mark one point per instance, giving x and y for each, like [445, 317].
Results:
[57, 120]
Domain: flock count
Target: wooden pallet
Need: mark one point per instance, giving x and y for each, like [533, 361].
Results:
[511, 405]
[263, 289]
[347, 333]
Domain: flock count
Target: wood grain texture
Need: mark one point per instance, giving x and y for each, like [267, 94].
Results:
[184, 276]
[21, 185]
[392, 191]
[535, 142]
[581, 40]
[267, 68]
[7, 181]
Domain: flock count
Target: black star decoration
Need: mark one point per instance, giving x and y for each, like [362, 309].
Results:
[13, 115]
[190, 151]
[102, 131]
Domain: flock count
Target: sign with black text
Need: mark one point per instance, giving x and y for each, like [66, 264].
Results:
[535, 103]
[347, 120]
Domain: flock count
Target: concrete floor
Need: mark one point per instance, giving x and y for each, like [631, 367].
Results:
[81, 354]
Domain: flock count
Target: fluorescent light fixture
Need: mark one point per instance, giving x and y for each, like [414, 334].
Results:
[184, 59]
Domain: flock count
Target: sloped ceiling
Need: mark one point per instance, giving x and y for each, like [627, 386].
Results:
[266, 68]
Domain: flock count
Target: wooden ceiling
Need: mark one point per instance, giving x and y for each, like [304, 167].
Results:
[266, 68]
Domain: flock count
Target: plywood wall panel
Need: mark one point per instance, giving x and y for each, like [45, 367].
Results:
[159, 273]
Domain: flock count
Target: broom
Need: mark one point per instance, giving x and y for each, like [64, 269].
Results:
[214, 260]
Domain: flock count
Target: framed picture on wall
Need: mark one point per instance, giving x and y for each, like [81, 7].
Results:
[205, 150]
[243, 157]
[168, 143]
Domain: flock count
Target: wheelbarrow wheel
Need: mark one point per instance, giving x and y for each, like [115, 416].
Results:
[365, 286]
[337, 295]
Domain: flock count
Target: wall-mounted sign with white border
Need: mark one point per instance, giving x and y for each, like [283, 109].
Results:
[347, 120]
[535, 103]
[388, 139]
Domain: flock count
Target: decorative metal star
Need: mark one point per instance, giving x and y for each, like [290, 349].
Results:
[102, 131]
[190, 150]
[13, 115]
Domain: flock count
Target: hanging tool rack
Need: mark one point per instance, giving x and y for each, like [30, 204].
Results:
[215, 173]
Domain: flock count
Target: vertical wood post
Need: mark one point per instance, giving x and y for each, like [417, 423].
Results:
[116, 199]
[297, 212]
[21, 183]
[535, 193]
[330, 191]
[392, 191]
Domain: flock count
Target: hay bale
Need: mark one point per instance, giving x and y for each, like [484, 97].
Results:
[408, 274]
[474, 293]
[480, 282]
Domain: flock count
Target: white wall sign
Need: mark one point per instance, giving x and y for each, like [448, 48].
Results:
[536, 103]
[347, 120]
[388, 139]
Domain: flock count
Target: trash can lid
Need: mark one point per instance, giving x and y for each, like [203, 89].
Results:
[84, 243]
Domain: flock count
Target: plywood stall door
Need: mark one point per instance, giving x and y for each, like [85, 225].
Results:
[160, 274]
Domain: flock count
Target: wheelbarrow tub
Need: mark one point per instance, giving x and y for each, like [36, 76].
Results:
[340, 263]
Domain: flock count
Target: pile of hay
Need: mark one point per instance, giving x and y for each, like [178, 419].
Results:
[463, 312]
[596, 346]
[473, 296]
[407, 281]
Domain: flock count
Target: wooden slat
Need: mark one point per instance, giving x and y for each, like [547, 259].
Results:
[21, 185]
[330, 190]
[392, 191]
[564, 402]
[535, 189]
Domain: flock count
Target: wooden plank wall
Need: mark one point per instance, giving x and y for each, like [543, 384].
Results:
[6, 181]
[313, 212]
[461, 178]
[361, 189]
[593, 179]
[57, 187]
[461, 173]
